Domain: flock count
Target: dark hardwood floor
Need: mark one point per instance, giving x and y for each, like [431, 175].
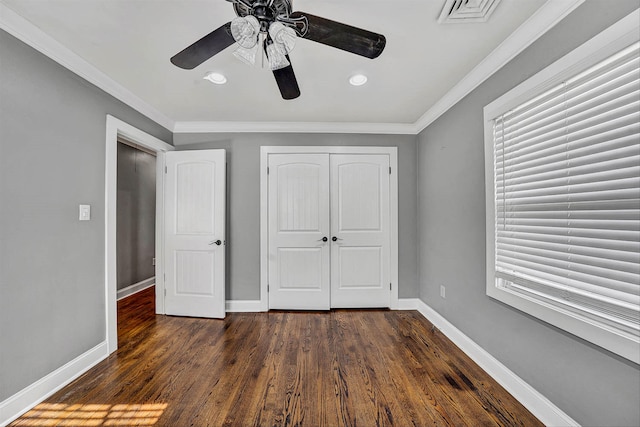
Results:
[339, 368]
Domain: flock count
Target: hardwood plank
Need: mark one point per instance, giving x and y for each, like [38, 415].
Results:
[337, 368]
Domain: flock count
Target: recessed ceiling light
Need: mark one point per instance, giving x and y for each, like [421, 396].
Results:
[216, 78]
[358, 79]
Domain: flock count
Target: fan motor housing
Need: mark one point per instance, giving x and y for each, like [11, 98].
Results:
[265, 13]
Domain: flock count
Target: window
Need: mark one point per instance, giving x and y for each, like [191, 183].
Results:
[563, 192]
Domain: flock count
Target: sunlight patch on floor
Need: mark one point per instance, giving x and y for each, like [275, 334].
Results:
[59, 414]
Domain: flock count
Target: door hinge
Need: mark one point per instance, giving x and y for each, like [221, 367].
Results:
[390, 288]
[165, 292]
[267, 170]
[389, 170]
[267, 288]
[165, 169]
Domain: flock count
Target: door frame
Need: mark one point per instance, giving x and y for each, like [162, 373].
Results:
[392, 152]
[117, 128]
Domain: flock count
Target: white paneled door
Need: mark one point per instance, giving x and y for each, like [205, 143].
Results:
[194, 237]
[299, 245]
[360, 249]
[329, 240]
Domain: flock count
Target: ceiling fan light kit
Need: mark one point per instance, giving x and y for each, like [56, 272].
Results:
[272, 25]
[248, 56]
[245, 31]
[284, 38]
[277, 59]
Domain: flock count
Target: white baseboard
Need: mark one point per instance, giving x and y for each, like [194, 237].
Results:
[244, 306]
[256, 306]
[136, 287]
[30, 396]
[548, 413]
[408, 304]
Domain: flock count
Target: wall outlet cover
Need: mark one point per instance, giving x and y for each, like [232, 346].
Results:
[85, 212]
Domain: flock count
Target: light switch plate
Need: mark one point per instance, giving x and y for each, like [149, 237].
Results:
[85, 212]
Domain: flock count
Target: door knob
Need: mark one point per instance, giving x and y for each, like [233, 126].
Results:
[335, 239]
[217, 242]
[324, 239]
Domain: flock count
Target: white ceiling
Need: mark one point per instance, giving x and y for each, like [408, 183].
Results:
[131, 41]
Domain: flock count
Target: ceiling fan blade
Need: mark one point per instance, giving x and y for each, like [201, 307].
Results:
[208, 46]
[342, 36]
[287, 82]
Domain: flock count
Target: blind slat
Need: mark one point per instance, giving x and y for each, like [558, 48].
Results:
[622, 235]
[597, 138]
[630, 246]
[560, 245]
[527, 252]
[606, 166]
[621, 176]
[599, 73]
[625, 151]
[563, 225]
[592, 149]
[568, 125]
[606, 193]
[594, 276]
[606, 100]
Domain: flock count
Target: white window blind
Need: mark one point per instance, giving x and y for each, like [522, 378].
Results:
[567, 195]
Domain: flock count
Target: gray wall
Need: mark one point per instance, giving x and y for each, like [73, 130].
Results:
[136, 217]
[243, 204]
[591, 385]
[52, 130]
[52, 158]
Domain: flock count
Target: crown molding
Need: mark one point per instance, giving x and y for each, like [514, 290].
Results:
[295, 127]
[545, 18]
[539, 23]
[28, 33]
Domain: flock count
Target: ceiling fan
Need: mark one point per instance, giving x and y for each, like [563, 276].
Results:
[272, 26]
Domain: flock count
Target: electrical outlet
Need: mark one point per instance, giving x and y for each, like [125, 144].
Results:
[442, 291]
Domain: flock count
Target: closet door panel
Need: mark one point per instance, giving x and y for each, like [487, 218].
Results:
[360, 252]
[298, 222]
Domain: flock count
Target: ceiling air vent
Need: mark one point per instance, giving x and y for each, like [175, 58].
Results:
[465, 11]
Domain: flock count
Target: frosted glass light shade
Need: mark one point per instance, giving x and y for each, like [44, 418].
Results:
[277, 60]
[247, 55]
[284, 37]
[245, 31]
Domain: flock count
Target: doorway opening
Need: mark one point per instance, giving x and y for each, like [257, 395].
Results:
[118, 130]
[136, 220]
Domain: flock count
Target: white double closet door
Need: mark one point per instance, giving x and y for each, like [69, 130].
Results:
[329, 231]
